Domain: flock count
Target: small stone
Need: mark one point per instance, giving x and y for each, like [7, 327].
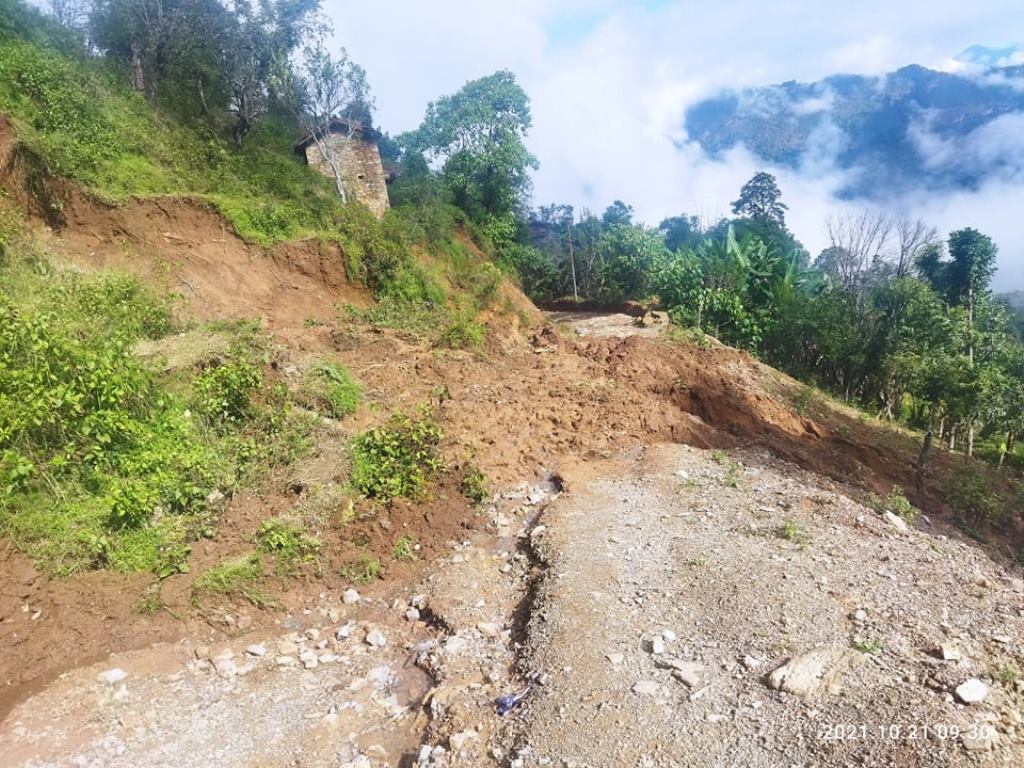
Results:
[376, 638]
[256, 649]
[819, 670]
[245, 622]
[350, 596]
[668, 635]
[646, 688]
[750, 662]
[971, 691]
[345, 631]
[981, 738]
[949, 652]
[312, 634]
[286, 661]
[860, 615]
[309, 659]
[615, 658]
[658, 646]
[418, 601]
[215, 497]
[688, 673]
[895, 521]
[287, 648]
[458, 740]
[113, 676]
[412, 615]
[489, 629]
[225, 666]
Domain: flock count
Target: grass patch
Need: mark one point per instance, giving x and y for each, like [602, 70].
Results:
[404, 549]
[331, 390]
[791, 530]
[238, 576]
[363, 570]
[1006, 673]
[398, 459]
[870, 646]
[462, 333]
[288, 544]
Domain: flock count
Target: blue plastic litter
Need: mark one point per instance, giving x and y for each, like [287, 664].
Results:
[505, 704]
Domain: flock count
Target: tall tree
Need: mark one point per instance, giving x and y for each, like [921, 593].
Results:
[760, 199]
[326, 88]
[478, 135]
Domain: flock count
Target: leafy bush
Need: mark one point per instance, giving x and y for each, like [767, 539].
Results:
[896, 503]
[404, 549]
[396, 460]
[474, 484]
[972, 497]
[224, 393]
[462, 333]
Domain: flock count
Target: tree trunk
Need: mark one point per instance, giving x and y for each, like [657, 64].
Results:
[952, 438]
[137, 78]
[1007, 447]
[926, 447]
[970, 438]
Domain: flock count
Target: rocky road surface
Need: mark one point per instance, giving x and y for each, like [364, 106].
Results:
[678, 583]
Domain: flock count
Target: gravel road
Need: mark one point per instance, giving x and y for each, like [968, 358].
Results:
[678, 583]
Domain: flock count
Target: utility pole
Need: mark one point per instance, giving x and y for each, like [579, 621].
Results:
[572, 264]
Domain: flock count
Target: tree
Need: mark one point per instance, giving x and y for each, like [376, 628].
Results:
[859, 241]
[913, 238]
[617, 213]
[327, 87]
[72, 14]
[681, 231]
[478, 135]
[972, 264]
[761, 200]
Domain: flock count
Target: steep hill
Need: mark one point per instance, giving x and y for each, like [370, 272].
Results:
[910, 129]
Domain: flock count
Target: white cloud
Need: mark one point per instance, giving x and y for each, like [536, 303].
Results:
[610, 81]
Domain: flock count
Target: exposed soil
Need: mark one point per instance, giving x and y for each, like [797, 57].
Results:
[542, 397]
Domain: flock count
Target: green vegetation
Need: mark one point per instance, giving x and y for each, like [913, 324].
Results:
[331, 390]
[404, 549]
[1006, 673]
[870, 646]
[791, 530]
[104, 463]
[474, 484]
[238, 576]
[364, 570]
[896, 503]
[462, 333]
[398, 459]
[287, 543]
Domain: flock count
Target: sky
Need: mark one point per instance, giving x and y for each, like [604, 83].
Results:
[610, 81]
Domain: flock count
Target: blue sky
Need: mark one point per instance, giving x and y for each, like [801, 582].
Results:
[610, 80]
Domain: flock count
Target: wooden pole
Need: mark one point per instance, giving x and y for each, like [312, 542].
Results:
[572, 264]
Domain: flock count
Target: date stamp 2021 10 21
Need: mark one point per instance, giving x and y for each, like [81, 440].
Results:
[906, 732]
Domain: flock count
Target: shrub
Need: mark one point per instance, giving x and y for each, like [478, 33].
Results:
[896, 503]
[474, 484]
[462, 334]
[404, 549]
[396, 460]
[288, 543]
[971, 496]
[224, 393]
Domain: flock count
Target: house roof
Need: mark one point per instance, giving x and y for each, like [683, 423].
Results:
[341, 125]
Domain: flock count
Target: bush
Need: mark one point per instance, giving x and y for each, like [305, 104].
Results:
[474, 484]
[396, 460]
[224, 393]
[971, 496]
[896, 503]
[462, 334]
[364, 570]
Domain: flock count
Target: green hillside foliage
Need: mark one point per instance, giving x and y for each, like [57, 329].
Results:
[104, 463]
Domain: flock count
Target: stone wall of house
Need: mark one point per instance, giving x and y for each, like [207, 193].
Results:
[362, 172]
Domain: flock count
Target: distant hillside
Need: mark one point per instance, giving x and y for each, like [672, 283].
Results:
[910, 128]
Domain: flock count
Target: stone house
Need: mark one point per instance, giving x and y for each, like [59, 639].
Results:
[363, 176]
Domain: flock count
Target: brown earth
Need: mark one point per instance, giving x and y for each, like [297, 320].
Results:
[533, 399]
